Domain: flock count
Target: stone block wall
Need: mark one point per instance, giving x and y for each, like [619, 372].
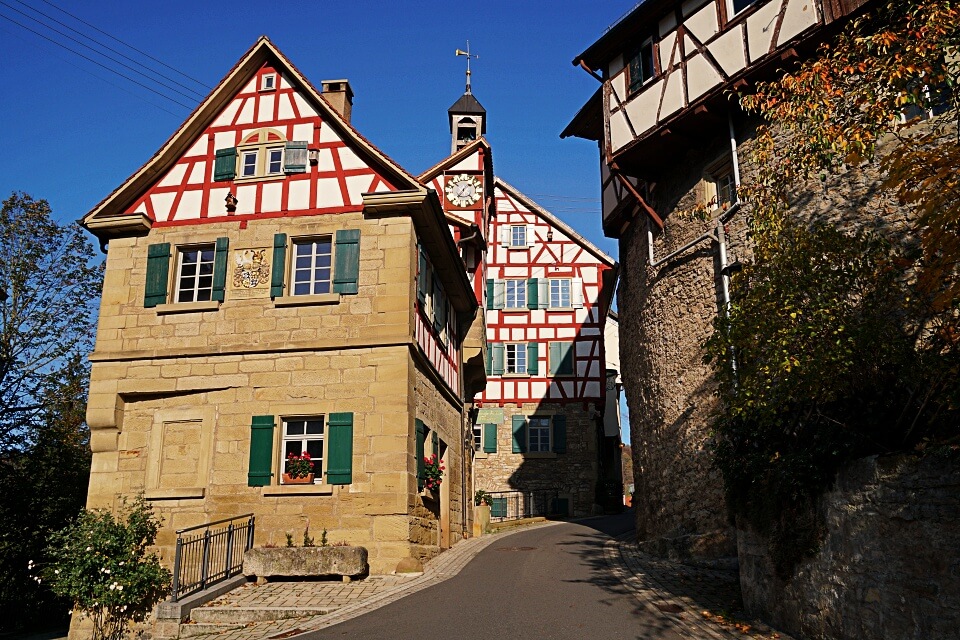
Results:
[173, 391]
[573, 473]
[887, 566]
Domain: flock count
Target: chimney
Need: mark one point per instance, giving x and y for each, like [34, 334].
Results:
[340, 96]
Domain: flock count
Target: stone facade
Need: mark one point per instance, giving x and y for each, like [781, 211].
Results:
[666, 314]
[887, 566]
[172, 395]
[572, 474]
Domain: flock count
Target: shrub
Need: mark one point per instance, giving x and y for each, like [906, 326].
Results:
[101, 564]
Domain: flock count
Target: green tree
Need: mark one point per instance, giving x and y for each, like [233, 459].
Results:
[101, 564]
[49, 285]
[48, 291]
[841, 341]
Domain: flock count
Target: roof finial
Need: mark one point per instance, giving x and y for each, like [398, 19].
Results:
[468, 55]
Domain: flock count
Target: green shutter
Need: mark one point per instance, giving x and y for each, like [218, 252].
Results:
[532, 291]
[435, 440]
[489, 438]
[489, 359]
[439, 310]
[346, 269]
[279, 265]
[220, 268]
[543, 287]
[497, 368]
[519, 434]
[225, 167]
[421, 278]
[490, 294]
[340, 448]
[498, 508]
[158, 266]
[261, 451]
[560, 434]
[295, 157]
[421, 466]
[561, 358]
[533, 358]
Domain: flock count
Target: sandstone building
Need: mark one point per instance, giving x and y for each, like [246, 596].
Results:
[275, 284]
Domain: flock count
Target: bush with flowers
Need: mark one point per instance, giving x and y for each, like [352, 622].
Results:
[432, 472]
[298, 466]
[101, 564]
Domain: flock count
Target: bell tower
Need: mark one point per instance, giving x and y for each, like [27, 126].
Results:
[468, 118]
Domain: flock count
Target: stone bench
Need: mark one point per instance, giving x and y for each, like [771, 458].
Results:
[305, 562]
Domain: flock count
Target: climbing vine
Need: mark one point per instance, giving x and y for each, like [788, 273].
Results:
[842, 339]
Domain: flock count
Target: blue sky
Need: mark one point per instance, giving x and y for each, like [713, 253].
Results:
[74, 131]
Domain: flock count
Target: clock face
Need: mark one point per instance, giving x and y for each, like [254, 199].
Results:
[463, 190]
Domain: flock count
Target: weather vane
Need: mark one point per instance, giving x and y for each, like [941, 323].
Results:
[467, 55]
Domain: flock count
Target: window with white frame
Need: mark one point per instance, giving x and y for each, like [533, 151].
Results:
[560, 293]
[477, 437]
[538, 435]
[311, 270]
[515, 294]
[268, 82]
[515, 360]
[304, 435]
[274, 160]
[195, 273]
[720, 184]
[518, 235]
[248, 163]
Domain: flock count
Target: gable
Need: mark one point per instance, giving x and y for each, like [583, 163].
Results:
[258, 121]
[323, 166]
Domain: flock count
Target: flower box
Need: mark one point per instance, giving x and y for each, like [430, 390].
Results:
[289, 479]
[285, 562]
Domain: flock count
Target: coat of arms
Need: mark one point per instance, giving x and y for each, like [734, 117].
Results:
[252, 269]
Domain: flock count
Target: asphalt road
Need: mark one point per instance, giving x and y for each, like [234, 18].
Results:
[551, 583]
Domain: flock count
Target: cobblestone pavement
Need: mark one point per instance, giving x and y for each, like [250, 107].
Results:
[697, 602]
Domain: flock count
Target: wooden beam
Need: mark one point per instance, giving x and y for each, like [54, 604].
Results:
[643, 203]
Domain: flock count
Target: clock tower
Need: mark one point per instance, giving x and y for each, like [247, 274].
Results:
[468, 121]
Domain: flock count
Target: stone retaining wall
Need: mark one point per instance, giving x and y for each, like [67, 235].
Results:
[887, 567]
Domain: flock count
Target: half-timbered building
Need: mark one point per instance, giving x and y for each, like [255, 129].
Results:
[276, 285]
[670, 139]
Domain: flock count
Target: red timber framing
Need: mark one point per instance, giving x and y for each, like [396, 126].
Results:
[548, 323]
[180, 185]
[470, 225]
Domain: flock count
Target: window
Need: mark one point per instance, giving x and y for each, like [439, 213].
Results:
[538, 435]
[312, 267]
[721, 185]
[275, 160]
[195, 274]
[319, 266]
[477, 437]
[268, 82]
[736, 6]
[518, 235]
[516, 359]
[304, 435]
[516, 294]
[264, 153]
[641, 66]
[432, 300]
[560, 293]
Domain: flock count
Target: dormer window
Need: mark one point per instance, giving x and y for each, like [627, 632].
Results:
[641, 65]
[262, 154]
[268, 82]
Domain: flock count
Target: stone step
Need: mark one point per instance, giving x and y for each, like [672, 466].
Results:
[203, 629]
[245, 615]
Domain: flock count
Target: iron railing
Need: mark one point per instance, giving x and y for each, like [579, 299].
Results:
[514, 505]
[210, 555]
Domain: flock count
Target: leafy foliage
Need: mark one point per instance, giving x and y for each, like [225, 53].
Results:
[100, 563]
[48, 288]
[43, 487]
[841, 342]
